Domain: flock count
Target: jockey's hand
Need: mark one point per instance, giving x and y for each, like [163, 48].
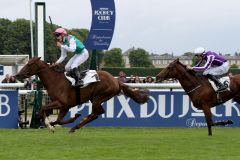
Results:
[59, 44]
[53, 65]
[190, 68]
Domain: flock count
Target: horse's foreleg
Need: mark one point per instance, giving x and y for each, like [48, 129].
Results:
[61, 115]
[43, 113]
[208, 117]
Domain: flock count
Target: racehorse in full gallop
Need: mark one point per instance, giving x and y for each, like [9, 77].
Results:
[200, 90]
[64, 96]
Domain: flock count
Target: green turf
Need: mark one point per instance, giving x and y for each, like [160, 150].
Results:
[120, 144]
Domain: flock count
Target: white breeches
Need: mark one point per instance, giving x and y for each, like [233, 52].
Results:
[77, 60]
[216, 71]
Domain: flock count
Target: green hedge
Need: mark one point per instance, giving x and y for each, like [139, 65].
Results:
[143, 72]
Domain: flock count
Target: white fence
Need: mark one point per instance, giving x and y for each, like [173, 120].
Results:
[168, 86]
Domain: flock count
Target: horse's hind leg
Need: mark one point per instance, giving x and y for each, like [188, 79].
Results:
[96, 111]
[222, 123]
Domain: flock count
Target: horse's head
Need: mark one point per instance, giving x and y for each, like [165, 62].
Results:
[31, 68]
[171, 71]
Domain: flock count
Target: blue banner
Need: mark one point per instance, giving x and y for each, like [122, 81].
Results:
[164, 109]
[1, 70]
[8, 109]
[103, 22]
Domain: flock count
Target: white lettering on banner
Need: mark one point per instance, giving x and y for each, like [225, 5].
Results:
[185, 106]
[162, 110]
[197, 112]
[155, 107]
[229, 106]
[144, 109]
[104, 14]
[110, 109]
[192, 122]
[79, 108]
[4, 104]
[214, 112]
[125, 107]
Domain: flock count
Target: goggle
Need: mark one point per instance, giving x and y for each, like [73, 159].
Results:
[57, 34]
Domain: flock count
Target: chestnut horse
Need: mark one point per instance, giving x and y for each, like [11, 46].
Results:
[200, 90]
[64, 96]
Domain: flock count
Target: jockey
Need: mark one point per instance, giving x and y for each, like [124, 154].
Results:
[212, 64]
[69, 43]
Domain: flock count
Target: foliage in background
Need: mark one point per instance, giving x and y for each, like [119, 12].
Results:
[113, 58]
[139, 58]
[234, 66]
[15, 37]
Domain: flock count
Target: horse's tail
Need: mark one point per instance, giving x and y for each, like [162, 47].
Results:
[139, 96]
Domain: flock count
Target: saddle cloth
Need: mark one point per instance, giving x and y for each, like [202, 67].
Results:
[224, 80]
[90, 76]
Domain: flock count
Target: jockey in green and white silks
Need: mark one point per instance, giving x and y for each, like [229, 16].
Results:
[69, 43]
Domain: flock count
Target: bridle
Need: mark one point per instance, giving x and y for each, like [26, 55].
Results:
[33, 67]
[191, 90]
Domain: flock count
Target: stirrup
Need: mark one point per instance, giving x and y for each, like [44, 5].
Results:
[221, 88]
[79, 83]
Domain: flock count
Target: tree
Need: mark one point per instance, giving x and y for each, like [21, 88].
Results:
[139, 58]
[188, 54]
[234, 66]
[15, 37]
[113, 58]
[4, 25]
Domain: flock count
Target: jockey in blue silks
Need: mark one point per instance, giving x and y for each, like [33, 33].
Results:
[212, 65]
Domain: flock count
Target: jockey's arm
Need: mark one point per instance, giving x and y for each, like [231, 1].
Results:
[206, 65]
[62, 57]
[72, 45]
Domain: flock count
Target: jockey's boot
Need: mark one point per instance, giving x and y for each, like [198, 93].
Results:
[74, 73]
[78, 77]
[217, 82]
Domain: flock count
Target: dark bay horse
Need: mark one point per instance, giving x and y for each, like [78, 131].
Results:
[200, 90]
[64, 96]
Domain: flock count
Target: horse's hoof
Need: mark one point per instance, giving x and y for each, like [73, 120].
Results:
[229, 122]
[72, 131]
[52, 129]
[77, 115]
[52, 124]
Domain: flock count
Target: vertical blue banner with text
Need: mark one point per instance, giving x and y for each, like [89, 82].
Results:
[103, 23]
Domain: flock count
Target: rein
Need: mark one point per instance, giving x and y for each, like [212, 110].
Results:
[195, 88]
[40, 70]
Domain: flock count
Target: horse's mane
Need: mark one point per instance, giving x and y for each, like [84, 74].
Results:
[58, 68]
[190, 71]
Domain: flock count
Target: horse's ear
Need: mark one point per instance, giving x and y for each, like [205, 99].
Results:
[176, 60]
[39, 58]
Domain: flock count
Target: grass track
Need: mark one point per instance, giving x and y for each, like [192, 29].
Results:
[120, 144]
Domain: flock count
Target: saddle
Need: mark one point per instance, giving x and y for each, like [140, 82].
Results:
[85, 78]
[224, 80]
